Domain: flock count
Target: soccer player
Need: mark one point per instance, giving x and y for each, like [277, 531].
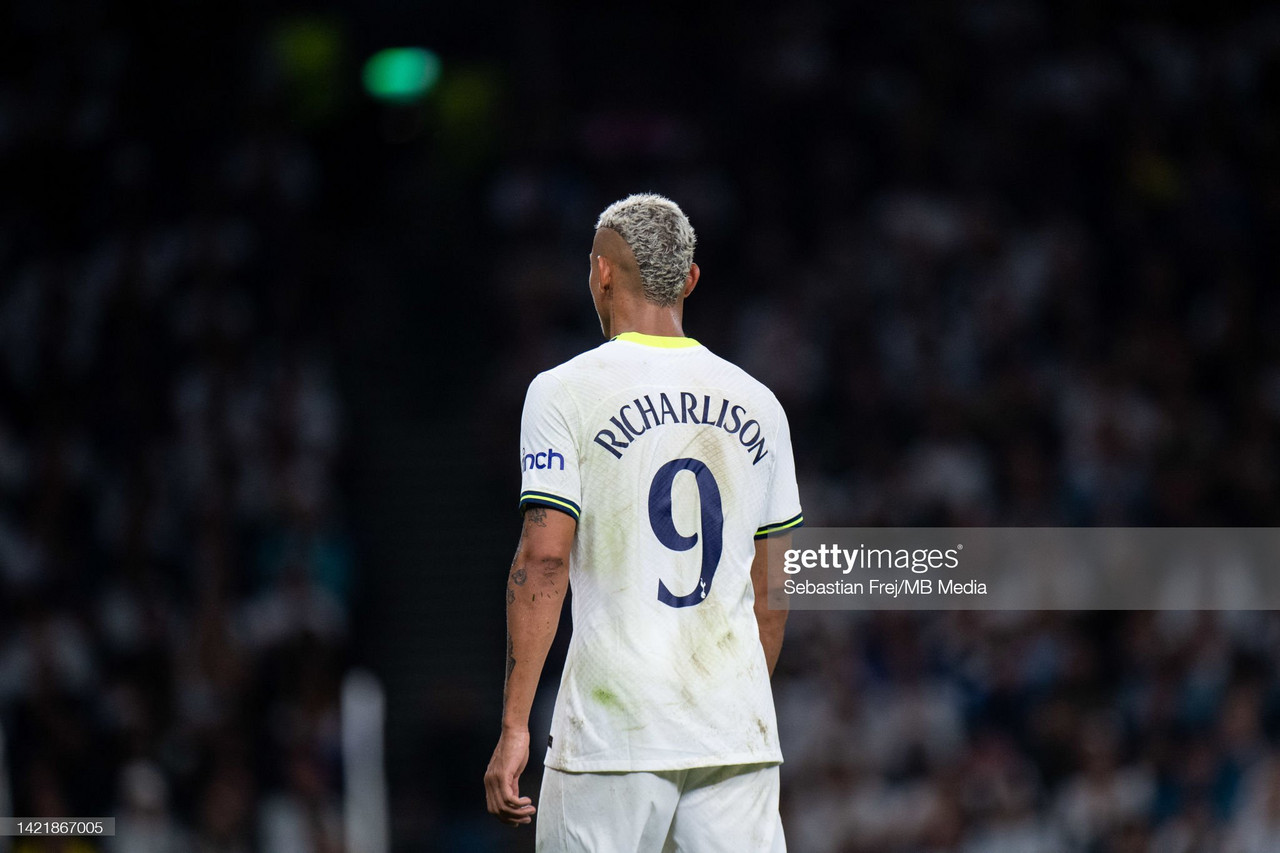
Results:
[653, 471]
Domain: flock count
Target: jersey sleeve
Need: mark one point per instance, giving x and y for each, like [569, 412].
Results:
[782, 506]
[548, 451]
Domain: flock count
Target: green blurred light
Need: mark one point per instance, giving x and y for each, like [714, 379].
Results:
[401, 74]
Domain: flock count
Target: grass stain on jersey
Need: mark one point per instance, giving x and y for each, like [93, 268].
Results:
[608, 698]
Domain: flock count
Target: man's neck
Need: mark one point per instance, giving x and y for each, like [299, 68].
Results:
[648, 319]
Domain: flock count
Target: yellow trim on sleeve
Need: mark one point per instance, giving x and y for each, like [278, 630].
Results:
[564, 504]
[770, 529]
[662, 341]
[544, 498]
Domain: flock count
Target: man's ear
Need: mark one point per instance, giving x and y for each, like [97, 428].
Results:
[691, 280]
[604, 272]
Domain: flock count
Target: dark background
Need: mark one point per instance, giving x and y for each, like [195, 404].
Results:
[264, 342]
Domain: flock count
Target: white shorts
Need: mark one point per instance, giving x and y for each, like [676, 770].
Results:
[703, 810]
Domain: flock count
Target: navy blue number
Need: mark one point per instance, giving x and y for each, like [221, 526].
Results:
[664, 527]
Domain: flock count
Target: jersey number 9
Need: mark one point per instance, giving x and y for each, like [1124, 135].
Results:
[664, 527]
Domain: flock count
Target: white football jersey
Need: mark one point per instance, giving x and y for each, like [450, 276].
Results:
[673, 461]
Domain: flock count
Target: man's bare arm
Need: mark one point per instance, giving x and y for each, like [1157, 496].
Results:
[773, 623]
[536, 588]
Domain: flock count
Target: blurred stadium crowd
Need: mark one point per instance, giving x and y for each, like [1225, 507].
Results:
[173, 567]
[1004, 263]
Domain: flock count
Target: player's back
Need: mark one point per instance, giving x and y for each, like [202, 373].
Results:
[673, 460]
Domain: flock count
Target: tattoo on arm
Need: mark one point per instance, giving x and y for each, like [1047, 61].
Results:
[511, 661]
[537, 515]
[511, 595]
[519, 576]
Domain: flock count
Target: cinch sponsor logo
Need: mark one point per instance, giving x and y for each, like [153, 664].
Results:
[541, 460]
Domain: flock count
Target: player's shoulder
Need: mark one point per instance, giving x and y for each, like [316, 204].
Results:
[603, 367]
[566, 381]
[740, 378]
[566, 372]
[740, 373]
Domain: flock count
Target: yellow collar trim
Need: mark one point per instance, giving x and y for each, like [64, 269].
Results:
[663, 341]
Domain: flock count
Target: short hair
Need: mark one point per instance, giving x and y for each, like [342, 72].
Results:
[660, 237]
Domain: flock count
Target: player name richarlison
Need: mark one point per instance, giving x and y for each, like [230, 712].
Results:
[648, 414]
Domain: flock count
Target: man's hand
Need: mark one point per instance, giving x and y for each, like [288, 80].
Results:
[502, 779]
